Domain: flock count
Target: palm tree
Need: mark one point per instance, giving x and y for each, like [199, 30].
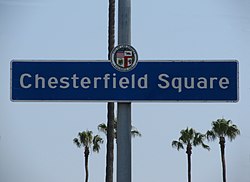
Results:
[85, 139]
[189, 138]
[110, 105]
[103, 128]
[221, 129]
[110, 142]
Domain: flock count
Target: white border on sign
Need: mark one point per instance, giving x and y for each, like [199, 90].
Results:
[128, 101]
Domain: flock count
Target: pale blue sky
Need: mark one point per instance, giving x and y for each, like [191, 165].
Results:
[36, 138]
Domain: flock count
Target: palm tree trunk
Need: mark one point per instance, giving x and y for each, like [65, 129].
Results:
[110, 143]
[223, 161]
[111, 27]
[111, 117]
[86, 156]
[189, 153]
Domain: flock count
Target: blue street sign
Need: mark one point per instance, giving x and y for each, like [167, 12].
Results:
[209, 81]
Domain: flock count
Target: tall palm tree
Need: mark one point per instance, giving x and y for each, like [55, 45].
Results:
[103, 128]
[189, 138]
[222, 128]
[110, 105]
[86, 140]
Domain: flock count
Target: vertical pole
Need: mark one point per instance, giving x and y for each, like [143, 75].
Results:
[124, 22]
[124, 108]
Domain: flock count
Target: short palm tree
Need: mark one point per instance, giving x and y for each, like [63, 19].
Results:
[222, 128]
[103, 128]
[189, 138]
[87, 141]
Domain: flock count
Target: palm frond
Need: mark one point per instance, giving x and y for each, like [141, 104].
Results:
[187, 135]
[198, 139]
[103, 128]
[97, 140]
[76, 141]
[135, 132]
[190, 137]
[225, 128]
[232, 132]
[211, 136]
[205, 146]
[177, 144]
[85, 138]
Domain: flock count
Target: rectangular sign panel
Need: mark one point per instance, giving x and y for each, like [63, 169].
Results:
[209, 81]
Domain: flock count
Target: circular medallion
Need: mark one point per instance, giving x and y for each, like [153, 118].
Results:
[124, 58]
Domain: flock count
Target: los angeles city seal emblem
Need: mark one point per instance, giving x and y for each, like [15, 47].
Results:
[124, 58]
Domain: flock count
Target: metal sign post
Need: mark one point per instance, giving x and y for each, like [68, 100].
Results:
[124, 108]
